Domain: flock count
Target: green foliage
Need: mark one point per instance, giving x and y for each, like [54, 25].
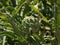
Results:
[27, 22]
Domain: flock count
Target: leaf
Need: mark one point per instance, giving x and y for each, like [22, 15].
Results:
[17, 9]
[37, 11]
[36, 37]
[10, 34]
[48, 3]
[3, 17]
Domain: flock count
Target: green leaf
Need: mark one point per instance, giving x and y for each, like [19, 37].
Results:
[17, 9]
[37, 11]
[48, 3]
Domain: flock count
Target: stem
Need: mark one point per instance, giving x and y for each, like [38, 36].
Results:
[4, 38]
